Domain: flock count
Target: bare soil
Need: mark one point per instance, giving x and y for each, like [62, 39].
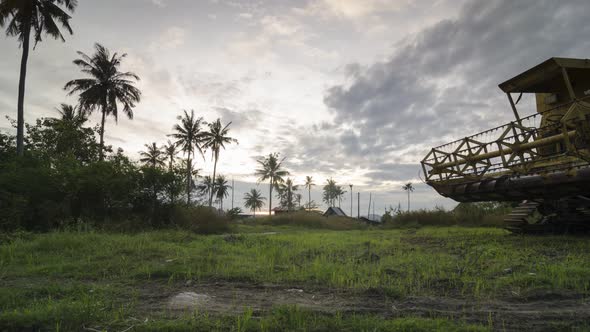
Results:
[537, 312]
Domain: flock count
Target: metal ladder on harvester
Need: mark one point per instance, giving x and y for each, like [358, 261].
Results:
[517, 220]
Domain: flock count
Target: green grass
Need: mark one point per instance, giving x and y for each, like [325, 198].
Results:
[63, 280]
[295, 319]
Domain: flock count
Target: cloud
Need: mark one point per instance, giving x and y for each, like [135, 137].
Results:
[438, 85]
[243, 119]
[171, 38]
[350, 9]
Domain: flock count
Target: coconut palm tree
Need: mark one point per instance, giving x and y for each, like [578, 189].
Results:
[106, 86]
[69, 134]
[408, 188]
[23, 17]
[221, 190]
[72, 115]
[339, 193]
[254, 200]
[287, 194]
[188, 135]
[170, 151]
[190, 172]
[330, 192]
[206, 186]
[271, 169]
[215, 139]
[153, 156]
[308, 184]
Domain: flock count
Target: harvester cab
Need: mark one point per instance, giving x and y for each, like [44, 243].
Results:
[541, 160]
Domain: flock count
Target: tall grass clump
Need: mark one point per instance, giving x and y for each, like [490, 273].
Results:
[310, 220]
[488, 214]
[200, 219]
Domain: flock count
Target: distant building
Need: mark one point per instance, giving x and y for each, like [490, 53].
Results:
[334, 211]
[371, 219]
[280, 210]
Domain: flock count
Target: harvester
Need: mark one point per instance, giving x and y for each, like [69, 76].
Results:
[540, 162]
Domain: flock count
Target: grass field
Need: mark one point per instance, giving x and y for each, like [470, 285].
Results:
[74, 280]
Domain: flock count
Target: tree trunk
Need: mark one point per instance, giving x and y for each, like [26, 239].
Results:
[213, 181]
[20, 122]
[270, 198]
[188, 180]
[408, 201]
[309, 198]
[102, 122]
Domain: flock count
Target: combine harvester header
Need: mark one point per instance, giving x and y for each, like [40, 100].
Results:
[542, 160]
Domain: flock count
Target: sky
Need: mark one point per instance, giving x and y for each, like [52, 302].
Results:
[358, 91]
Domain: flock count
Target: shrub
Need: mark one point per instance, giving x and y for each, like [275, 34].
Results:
[465, 214]
[310, 220]
[200, 219]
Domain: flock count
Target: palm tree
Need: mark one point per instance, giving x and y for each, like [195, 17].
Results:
[70, 136]
[152, 156]
[254, 200]
[222, 188]
[287, 193]
[215, 139]
[190, 173]
[37, 16]
[188, 137]
[106, 87]
[72, 115]
[170, 151]
[408, 188]
[339, 193]
[330, 192]
[206, 186]
[271, 169]
[308, 184]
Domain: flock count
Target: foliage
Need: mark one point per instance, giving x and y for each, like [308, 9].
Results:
[215, 139]
[189, 137]
[60, 181]
[333, 193]
[287, 196]
[466, 214]
[106, 86]
[232, 214]
[408, 188]
[22, 18]
[271, 168]
[311, 220]
[153, 156]
[254, 200]
[199, 219]
[221, 189]
[308, 185]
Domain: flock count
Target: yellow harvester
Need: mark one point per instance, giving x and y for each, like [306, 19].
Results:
[541, 161]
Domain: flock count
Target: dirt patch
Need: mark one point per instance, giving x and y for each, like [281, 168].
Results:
[537, 313]
[188, 301]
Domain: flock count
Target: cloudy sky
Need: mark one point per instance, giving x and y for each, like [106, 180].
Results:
[357, 90]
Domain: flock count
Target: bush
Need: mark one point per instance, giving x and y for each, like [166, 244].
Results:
[200, 219]
[436, 217]
[310, 220]
[465, 214]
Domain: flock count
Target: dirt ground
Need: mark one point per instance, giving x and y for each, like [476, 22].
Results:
[537, 312]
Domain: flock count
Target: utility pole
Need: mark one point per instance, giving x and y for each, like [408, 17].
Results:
[369, 209]
[358, 205]
[350, 200]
